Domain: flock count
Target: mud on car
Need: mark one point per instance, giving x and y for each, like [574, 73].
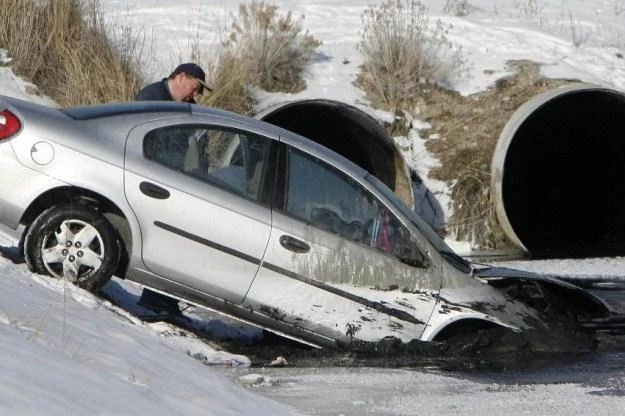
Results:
[254, 221]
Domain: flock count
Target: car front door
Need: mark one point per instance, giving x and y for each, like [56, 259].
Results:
[197, 192]
[339, 261]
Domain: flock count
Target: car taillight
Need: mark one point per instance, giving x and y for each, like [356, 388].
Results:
[9, 124]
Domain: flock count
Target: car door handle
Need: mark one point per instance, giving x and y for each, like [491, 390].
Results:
[293, 244]
[153, 191]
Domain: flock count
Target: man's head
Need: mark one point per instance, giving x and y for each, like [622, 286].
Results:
[186, 82]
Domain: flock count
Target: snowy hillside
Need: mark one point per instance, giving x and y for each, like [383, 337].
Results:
[577, 40]
[67, 352]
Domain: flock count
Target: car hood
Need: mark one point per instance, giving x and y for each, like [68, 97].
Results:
[489, 272]
[496, 275]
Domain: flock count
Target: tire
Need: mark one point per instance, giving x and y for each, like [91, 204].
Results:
[73, 242]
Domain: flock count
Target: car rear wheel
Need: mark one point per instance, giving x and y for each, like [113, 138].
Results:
[73, 242]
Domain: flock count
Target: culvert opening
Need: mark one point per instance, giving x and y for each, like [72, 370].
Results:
[351, 133]
[562, 174]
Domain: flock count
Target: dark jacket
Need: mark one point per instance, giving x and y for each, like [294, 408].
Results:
[158, 91]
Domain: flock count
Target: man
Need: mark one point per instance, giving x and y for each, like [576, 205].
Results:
[185, 83]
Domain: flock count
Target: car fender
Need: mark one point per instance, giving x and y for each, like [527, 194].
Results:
[66, 166]
[72, 170]
[445, 315]
[13, 174]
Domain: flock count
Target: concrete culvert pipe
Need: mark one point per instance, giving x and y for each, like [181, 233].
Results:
[558, 173]
[350, 132]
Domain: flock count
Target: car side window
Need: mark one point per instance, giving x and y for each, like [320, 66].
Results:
[326, 198]
[231, 159]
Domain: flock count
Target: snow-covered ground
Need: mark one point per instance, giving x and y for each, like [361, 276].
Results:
[67, 352]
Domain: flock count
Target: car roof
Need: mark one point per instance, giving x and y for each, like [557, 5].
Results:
[139, 107]
[101, 111]
[98, 113]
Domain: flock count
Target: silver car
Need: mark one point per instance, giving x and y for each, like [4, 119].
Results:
[243, 217]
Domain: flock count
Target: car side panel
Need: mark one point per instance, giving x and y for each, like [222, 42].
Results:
[71, 166]
[199, 235]
[198, 243]
[346, 293]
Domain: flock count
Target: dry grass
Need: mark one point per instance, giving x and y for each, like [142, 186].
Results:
[231, 81]
[63, 47]
[274, 48]
[402, 52]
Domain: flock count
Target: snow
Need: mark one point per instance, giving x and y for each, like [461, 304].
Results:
[67, 352]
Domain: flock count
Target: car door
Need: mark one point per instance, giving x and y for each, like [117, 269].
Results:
[197, 192]
[339, 260]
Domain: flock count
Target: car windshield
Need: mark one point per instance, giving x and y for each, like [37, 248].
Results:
[438, 243]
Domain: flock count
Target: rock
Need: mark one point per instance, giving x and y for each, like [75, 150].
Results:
[252, 379]
[279, 362]
[4, 57]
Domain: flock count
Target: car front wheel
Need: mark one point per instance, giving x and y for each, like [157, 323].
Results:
[73, 242]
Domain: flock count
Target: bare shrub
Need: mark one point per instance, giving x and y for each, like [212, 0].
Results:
[231, 80]
[63, 46]
[458, 8]
[261, 49]
[528, 8]
[578, 35]
[401, 51]
[274, 48]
